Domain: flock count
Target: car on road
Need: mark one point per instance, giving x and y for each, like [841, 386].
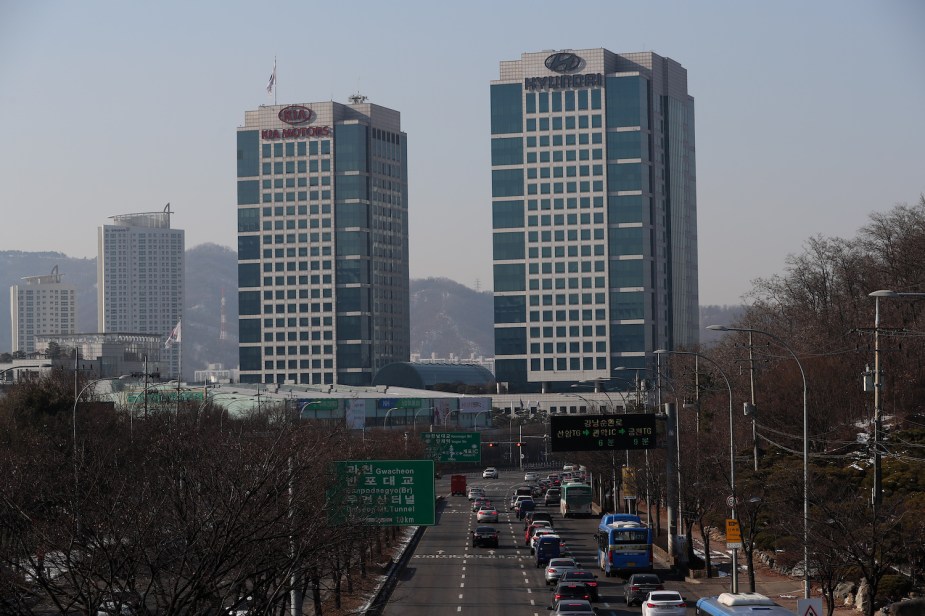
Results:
[490, 473]
[539, 516]
[528, 476]
[517, 499]
[584, 576]
[539, 532]
[475, 493]
[574, 607]
[528, 534]
[557, 567]
[639, 585]
[566, 591]
[664, 603]
[479, 503]
[486, 536]
[552, 496]
[487, 514]
[546, 548]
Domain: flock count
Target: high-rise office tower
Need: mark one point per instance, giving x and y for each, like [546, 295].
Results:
[42, 305]
[594, 215]
[322, 243]
[140, 280]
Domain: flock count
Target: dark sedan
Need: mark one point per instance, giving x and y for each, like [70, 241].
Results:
[486, 536]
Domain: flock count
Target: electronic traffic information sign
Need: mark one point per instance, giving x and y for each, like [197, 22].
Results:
[602, 432]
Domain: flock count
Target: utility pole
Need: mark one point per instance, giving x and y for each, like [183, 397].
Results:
[753, 409]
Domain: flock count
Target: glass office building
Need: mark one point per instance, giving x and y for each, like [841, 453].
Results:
[141, 280]
[594, 216]
[322, 243]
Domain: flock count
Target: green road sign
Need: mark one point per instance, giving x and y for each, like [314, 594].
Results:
[387, 492]
[602, 432]
[158, 396]
[453, 446]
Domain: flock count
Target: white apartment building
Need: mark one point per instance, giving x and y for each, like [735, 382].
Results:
[41, 305]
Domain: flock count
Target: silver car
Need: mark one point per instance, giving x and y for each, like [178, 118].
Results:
[557, 567]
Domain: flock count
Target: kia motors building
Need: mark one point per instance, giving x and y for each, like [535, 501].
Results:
[594, 216]
[322, 243]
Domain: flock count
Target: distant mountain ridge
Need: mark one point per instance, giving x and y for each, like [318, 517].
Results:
[447, 318]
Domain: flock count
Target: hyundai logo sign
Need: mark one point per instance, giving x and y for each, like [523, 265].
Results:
[564, 62]
[296, 114]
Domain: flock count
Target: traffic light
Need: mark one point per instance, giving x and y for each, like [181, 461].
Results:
[491, 444]
[520, 444]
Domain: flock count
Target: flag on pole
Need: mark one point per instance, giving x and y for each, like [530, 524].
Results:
[174, 336]
[272, 81]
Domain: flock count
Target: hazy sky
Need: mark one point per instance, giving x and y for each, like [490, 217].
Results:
[809, 115]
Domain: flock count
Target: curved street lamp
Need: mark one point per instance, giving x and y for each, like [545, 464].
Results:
[414, 420]
[732, 475]
[475, 422]
[385, 422]
[723, 328]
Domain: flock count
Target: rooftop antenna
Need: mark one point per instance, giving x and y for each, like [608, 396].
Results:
[356, 98]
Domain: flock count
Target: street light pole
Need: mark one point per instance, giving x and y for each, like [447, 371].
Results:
[732, 480]
[723, 328]
[877, 493]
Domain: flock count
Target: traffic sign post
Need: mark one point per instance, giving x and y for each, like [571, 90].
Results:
[385, 492]
[602, 432]
[733, 535]
[453, 446]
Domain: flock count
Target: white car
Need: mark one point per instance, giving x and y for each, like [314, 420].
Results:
[664, 603]
[540, 532]
[490, 473]
[475, 493]
[486, 514]
[531, 477]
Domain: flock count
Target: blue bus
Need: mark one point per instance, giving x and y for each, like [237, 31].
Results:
[740, 604]
[624, 544]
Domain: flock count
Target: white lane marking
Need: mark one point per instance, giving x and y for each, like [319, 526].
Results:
[460, 596]
[462, 585]
[463, 576]
[458, 608]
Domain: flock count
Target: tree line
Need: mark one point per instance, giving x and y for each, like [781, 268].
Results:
[185, 511]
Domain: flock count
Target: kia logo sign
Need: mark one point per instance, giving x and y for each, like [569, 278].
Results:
[296, 114]
[564, 62]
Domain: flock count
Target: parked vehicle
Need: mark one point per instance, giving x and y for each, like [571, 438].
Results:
[458, 485]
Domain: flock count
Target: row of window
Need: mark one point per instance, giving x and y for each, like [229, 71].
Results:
[558, 123]
[561, 364]
[296, 148]
[568, 100]
[560, 188]
[545, 156]
[291, 167]
[569, 171]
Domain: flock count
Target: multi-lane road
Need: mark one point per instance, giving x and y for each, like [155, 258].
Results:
[446, 575]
